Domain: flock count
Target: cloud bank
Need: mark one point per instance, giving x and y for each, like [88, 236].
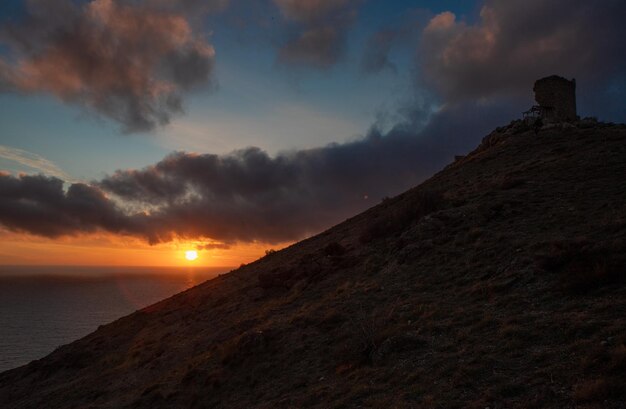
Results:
[244, 196]
[128, 61]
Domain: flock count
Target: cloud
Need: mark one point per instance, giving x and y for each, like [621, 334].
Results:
[39, 205]
[213, 246]
[247, 195]
[516, 42]
[34, 161]
[318, 39]
[310, 10]
[376, 57]
[188, 6]
[128, 62]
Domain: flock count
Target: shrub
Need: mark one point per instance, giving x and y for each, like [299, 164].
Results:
[250, 345]
[598, 390]
[401, 214]
[334, 249]
[583, 267]
[372, 336]
[508, 182]
[276, 278]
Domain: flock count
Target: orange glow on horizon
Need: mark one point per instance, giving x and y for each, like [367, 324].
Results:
[111, 250]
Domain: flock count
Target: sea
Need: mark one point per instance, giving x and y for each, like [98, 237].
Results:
[42, 308]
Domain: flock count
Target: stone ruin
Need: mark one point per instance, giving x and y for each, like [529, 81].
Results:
[556, 99]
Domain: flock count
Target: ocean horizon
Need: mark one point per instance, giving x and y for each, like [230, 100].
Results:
[45, 307]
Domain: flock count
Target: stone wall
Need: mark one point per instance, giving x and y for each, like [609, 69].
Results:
[557, 98]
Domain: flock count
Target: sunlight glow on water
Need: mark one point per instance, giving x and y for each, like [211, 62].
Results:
[41, 313]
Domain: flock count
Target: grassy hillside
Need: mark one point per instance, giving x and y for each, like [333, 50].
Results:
[498, 283]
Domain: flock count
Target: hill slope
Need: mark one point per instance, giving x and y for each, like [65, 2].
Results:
[498, 282]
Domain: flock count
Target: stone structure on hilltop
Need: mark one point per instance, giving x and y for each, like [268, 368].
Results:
[556, 99]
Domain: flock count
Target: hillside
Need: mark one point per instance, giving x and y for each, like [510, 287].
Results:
[499, 282]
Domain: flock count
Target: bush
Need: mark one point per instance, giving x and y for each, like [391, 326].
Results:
[251, 345]
[598, 390]
[375, 336]
[583, 267]
[508, 182]
[400, 215]
[334, 249]
[277, 278]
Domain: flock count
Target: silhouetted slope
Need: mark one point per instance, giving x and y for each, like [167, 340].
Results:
[499, 282]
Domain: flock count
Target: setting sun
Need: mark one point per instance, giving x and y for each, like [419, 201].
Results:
[191, 255]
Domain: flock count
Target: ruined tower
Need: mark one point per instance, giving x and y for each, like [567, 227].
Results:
[556, 97]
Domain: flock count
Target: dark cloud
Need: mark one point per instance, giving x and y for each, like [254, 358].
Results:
[516, 42]
[39, 205]
[131, 62]
[318, 35]
[214, 246]
[247, 195]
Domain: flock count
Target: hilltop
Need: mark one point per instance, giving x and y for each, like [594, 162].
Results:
[499, 282]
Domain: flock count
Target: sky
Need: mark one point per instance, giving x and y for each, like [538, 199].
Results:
[131, 131]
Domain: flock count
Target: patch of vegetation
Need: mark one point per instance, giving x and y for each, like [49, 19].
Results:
[376, 336]
[334, 249]
[276, 278]
[598, 390]
[249, 345]
[508, 182]
[308, 268]
[583, 267]
[402, 214]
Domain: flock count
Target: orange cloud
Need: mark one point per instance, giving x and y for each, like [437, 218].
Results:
[131, 63]
[111, 250]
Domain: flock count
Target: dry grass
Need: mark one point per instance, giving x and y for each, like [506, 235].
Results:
[599, 390]
[393, 308]
[583, 267]
[404, 214]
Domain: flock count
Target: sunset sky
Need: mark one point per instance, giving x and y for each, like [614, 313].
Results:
[132, 131]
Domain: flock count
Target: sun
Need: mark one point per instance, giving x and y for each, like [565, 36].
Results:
[191, 255]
